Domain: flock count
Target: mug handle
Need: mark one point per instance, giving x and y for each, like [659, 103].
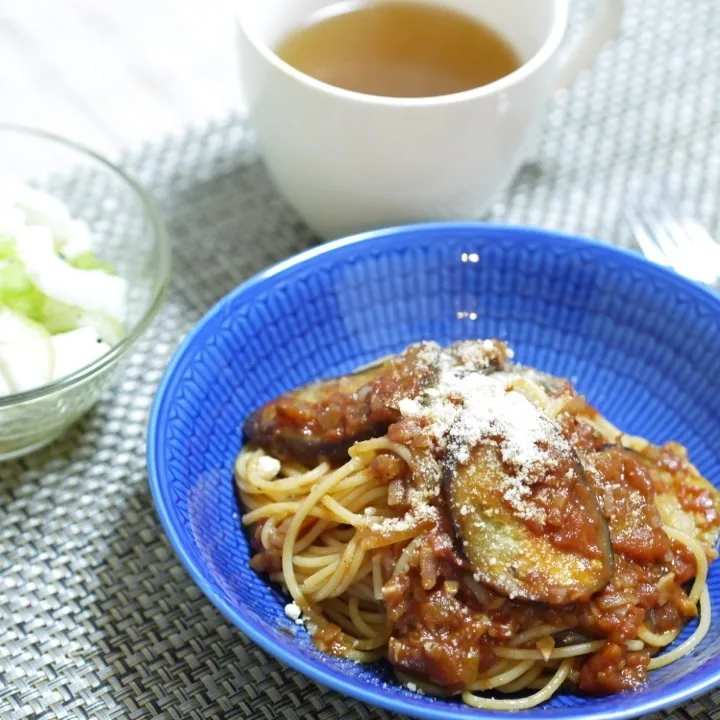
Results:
[583, 51]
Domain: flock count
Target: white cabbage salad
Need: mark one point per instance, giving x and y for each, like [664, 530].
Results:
[60, 307]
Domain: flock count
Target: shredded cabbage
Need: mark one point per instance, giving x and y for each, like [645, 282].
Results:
[61, 307]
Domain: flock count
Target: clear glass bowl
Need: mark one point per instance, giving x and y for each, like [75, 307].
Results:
[127, 230]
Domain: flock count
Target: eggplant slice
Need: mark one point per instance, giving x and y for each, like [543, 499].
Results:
[504, 552]
[665, 483]
[321, 421]
[291, 427]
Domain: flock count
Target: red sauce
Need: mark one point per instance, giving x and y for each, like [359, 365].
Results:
[625, 491]
[321, 421]
[438, 637]
[613, 669]
[566, 501]
[700, 502]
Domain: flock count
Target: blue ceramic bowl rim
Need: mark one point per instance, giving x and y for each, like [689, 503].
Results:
[629, 705]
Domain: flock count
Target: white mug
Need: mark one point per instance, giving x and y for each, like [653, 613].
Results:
[350, 162]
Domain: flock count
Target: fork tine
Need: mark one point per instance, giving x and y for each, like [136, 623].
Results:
[701, 238]
[696, 240]
[649, 246]
[668, 239]
[696, 254]
[688, 233]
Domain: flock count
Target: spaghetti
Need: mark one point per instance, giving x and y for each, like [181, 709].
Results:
[376, 558]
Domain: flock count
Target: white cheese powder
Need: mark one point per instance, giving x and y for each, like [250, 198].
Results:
[466, 407]
[294, 613]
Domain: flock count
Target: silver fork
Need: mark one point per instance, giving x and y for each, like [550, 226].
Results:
[669, 238]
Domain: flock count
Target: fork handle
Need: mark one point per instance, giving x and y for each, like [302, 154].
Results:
[582, 52]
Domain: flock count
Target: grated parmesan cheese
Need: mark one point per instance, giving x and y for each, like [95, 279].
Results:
[409, 408]
[471, 398]
[294, 613]
[467, 406]
[268, 467]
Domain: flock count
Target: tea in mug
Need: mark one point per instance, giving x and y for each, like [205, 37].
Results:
[398, 49]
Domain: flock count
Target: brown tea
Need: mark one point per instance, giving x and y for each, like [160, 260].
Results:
[398, 49]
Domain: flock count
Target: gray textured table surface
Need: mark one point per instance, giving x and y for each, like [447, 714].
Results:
[97, 617]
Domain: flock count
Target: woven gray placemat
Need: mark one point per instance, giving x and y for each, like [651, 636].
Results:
[97, 617]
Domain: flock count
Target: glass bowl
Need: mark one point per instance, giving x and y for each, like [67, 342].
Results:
[126, 230]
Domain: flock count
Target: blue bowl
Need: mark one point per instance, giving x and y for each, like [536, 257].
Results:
[642, 343]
